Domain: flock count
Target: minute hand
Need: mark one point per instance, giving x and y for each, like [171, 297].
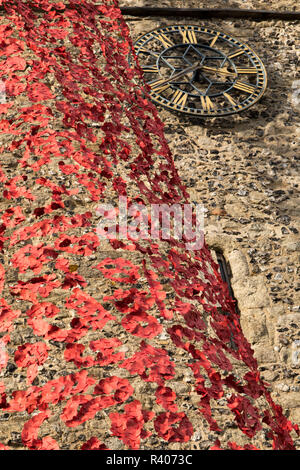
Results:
[220, 71]
[160, 83]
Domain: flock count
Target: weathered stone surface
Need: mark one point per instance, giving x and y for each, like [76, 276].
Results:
[251, 292]
[264, 353]
[254, 325]
[240, 268]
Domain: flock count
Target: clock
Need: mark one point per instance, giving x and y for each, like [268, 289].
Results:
[200, 71]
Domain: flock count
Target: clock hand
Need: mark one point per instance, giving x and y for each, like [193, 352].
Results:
[192, 68]
[221, 71]
[160, 83]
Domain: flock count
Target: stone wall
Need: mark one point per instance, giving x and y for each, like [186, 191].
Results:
[245, 170]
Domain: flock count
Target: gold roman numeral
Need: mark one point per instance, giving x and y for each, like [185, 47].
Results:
[230, 99]
[213, 42]
[164, 40]
[246, 70]
[180, 98]
[207, 104]
[188, 36]
[146, 51]
[149, 68]
[236, 53]
[244, 87]
[159, 85]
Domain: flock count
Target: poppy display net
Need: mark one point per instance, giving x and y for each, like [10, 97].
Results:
[106, 343]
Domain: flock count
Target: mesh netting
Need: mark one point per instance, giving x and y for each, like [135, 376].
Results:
[106, 343]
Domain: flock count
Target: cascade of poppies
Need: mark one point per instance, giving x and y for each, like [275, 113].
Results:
[106, 343]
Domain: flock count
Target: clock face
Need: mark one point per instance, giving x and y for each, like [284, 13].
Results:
[199, 71]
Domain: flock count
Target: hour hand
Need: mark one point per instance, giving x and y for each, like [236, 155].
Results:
[162, 84]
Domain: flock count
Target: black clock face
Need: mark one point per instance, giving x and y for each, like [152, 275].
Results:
[199, 71]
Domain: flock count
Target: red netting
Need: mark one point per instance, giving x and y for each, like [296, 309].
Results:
[136, 340]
